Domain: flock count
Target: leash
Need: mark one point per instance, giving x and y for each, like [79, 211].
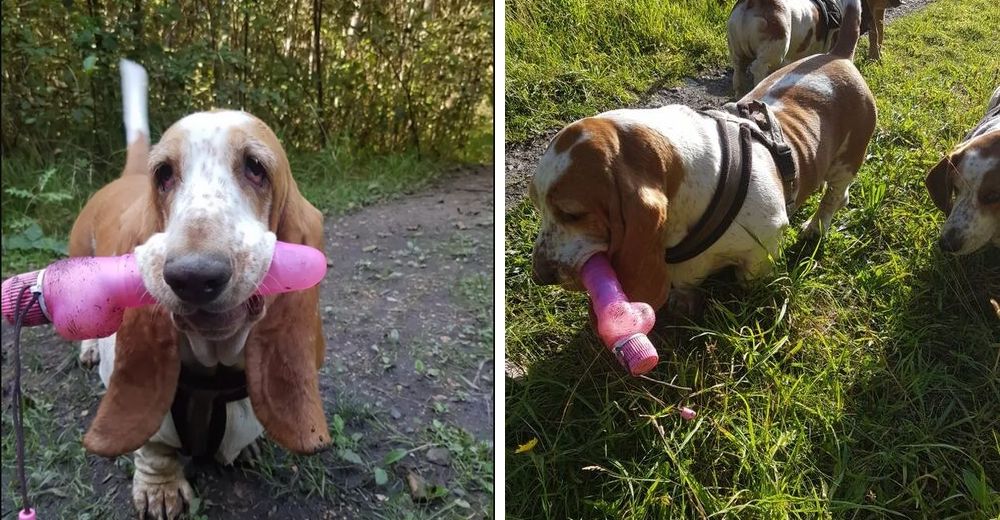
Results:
[26, 513]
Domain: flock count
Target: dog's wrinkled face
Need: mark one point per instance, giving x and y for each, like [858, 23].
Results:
[602, 186]
[966, 186]
[571, 190]
[213, 174]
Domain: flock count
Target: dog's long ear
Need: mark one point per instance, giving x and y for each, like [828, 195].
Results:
[940, 184]
[286, 348]
[147, 362]
[142, 384]
[646, 174]
[637, 216]
[637, 248]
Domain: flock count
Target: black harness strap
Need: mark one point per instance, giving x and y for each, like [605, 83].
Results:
[831, 11]
[199, 408]
[734, 182]
[768, 133]
[754, 121]
[990, 115]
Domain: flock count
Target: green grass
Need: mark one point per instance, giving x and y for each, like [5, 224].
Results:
[42, 194]
[568, 59]
[860, 380]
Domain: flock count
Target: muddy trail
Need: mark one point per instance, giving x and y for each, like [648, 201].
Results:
[408, 384]
[712, 89]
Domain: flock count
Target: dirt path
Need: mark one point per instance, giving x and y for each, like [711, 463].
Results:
[407, 306]
[712, 89]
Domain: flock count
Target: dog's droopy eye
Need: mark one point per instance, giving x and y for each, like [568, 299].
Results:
[164, 177]
[568, 217]
[254, 170]
[991, 197]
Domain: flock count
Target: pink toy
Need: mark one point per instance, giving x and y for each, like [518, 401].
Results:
[26, 514]
[86, 297]
[687, 414]
[621, 324]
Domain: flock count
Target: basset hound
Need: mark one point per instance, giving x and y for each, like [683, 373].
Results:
[211, 367]
[965, 185]
[764, 35]
[635, 183]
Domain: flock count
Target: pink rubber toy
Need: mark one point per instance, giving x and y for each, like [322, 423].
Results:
[26, 514]
[621, 324]
[86, 297]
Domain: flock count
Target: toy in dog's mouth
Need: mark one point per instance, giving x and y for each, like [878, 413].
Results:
[622, 325]
[221, 325]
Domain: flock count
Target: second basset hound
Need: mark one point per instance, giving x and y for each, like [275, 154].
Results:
[764, 35]
[633, 183]
[211, 367]
[965, 185]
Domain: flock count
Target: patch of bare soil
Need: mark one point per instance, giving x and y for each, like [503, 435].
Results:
[712, 89]
[407, 305]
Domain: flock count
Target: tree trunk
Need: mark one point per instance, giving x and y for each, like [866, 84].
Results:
[213, 25]
[318, 70]
[246, 56]
[137, 26]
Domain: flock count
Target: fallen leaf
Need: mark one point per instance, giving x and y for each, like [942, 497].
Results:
[528, 446]
[381, 477]
[418, 486]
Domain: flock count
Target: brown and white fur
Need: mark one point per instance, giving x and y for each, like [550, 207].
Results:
[876, 29]
[965, 185]
[202, 211]
[632, 183]
[764, 35]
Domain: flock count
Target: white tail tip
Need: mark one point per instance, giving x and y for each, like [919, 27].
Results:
[135, 84]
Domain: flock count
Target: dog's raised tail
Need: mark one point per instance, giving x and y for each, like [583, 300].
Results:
[135, 84]
[850, 30]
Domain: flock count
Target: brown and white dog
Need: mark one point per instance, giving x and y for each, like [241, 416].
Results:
[632, 183]
[876, 28]
[202, 210]
[965, 185]
[764, 35]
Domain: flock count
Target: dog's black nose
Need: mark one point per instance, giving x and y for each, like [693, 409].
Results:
[543, 272]
[197, 278]
[950, 241]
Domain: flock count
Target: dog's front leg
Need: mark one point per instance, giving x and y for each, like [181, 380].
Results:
[159, 489]
[90, 355]
[875, 34]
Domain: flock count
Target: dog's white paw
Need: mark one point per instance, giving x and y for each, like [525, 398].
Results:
[250, 454]
[161, 496]
[90, 355]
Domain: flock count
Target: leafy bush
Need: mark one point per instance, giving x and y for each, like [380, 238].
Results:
[393, 76]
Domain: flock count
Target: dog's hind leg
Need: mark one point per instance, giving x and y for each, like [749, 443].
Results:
[835, 196]
[875, 34]
[741, 75]
[770, 56]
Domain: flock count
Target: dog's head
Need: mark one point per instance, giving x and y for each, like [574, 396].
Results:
[965, 185]
[220, 181]
[222, 194]
[603, 186]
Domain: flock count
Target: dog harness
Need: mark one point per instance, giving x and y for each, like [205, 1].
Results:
[738, 127]
[199, 408]
[831, 12]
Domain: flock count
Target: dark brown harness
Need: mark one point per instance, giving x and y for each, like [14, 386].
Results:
[199, 407]
[737, 129]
